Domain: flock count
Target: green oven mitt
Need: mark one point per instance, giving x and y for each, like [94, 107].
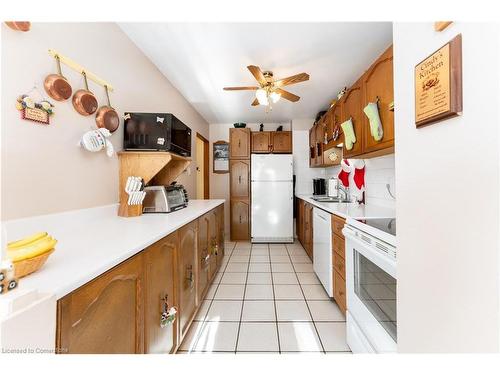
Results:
[349, 136]
[371, 111]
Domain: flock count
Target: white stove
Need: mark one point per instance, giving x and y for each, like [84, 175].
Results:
[371, 285]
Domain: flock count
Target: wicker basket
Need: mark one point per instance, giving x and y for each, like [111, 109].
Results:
[27, 266]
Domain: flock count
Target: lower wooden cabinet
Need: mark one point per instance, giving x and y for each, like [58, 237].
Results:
[212, 243]
[221, 234]
[339, 293]
[305, 226]
[106, 314]
[240, 220]
[203, 256]
[339, 284]
[160, 295]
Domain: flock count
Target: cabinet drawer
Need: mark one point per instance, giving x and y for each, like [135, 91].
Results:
[339, 291]
[337, 225]
[339, 245]
[339, 264]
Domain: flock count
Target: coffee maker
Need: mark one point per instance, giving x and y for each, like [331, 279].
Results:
[319, 186]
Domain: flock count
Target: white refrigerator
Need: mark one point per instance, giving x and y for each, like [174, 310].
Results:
[272, 198]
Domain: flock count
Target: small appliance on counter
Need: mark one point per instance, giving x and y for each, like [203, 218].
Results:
[319, 186]
[164, 199]
[156, 132]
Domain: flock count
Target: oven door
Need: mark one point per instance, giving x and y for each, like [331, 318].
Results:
[371, 292]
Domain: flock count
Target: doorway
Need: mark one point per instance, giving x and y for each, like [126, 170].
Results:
[202, 168]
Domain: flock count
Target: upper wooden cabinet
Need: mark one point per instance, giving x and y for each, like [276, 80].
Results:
[239, 178]
[378, 87]
[261, 142]
[106, 314]
[239, 143]
[160, 295]
[187, 275]
[281, 142]
[351, 109]
[312, 146]
[266, 142]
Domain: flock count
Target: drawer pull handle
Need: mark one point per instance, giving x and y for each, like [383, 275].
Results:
[239, 179]
[190, 278]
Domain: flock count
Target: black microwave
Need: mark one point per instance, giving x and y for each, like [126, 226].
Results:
[156, 132]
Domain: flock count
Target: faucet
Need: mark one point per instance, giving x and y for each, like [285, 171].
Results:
[345, 190]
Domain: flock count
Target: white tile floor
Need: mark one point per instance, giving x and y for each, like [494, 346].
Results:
[266, 298]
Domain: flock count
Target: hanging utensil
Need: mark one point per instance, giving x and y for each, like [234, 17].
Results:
[19, 25]
[84, 101]
[106, 116]
[56, 85]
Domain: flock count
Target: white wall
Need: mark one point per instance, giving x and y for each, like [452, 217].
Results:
[42, 169]
[219, 183]
[448, 199]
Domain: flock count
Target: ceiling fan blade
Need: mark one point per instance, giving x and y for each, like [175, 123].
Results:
[241, 88]
[297, 78]
[255, 102]
[287, 95]
[257, 73]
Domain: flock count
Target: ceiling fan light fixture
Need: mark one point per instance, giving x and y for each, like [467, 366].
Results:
[275, 97]
[261, 96]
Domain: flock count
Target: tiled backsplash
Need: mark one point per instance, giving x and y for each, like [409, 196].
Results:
[379, 172]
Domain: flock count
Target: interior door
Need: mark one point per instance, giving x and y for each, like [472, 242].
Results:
[240, 178]
[160, 275]
[187, 275]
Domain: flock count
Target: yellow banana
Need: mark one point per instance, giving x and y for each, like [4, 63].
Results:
[32, 250]
[26, 241]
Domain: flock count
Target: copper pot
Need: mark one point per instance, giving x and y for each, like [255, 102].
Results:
[57, 85]
[19, 25]
[84, 101]
[106, 116]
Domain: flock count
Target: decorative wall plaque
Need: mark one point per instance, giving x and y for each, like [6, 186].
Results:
[221, 157]
[438, 84]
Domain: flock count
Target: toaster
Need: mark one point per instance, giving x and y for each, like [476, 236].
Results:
[164, 199]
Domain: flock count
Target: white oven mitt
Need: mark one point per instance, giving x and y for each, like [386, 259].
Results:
[349, 136]
[371, 111]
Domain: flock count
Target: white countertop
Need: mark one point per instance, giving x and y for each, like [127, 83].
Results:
[352, 210]
[92, 241]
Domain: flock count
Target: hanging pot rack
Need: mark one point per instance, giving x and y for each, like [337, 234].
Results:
[80, 69]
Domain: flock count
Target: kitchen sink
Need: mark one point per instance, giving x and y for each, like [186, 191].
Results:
[330, 199]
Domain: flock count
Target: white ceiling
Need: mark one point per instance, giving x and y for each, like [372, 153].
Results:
[201, 58]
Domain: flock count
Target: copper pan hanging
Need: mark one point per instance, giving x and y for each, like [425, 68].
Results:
[84, 101]
[106, 116]
[56, 85]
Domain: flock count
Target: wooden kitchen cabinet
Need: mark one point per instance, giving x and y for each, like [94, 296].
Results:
[212, 243]
[239, 143]
[339, 291]
[378, 86]
[320, 138]
[299, 220]
[203, 256]
[281, 142]
[106, 315]
[160, 294]
[308, 229]
[187, 275]
[261, 142]
[312, 146]
[351, 109]
[339, 283]
[240, 178]
[221, 234]
[240, 220]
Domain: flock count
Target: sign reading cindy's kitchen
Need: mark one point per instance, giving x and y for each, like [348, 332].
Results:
[438, 84]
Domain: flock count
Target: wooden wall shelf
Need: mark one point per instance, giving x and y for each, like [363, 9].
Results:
[156, 168]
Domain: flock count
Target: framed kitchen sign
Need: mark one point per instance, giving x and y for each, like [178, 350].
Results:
[221, 157]
[438, 84]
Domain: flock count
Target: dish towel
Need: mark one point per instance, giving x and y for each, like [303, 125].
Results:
[349, 136]
[371, 111]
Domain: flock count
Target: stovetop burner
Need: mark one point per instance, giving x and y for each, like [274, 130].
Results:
[387, 225]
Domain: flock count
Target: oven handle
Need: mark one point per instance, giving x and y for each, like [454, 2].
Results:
[384, 262]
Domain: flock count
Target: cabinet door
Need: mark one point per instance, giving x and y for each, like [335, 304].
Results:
[282, 142]
[320, 139]
[221, 234]
[261, 142]
[239, 143]
[187, 275]
[104, 315]
[160, 295]
[351, 109]
[212, 243]
[240, 178]
[240, 229]
[329, 124]
[308, 229]
[378, 83]
[203, 255]
[339, 291]
[312, 146]
[335, 120]
[299, 221]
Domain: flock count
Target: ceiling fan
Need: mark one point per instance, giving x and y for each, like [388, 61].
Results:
[270, 91]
